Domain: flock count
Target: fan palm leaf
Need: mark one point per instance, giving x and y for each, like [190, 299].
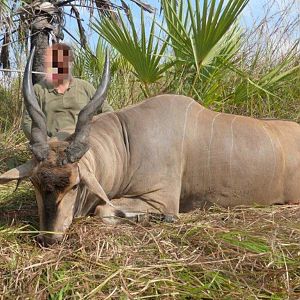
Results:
[145, 53]
[198, 32]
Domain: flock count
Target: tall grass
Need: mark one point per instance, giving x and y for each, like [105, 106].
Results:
[13, 150]
[11, 102]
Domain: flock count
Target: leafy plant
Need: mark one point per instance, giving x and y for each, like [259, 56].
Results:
[144, 53]
[200, 34]
[207, 42]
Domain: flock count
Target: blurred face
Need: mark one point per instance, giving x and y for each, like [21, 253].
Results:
[57, 66]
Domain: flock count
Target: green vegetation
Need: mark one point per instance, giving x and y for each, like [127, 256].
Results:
[202, 51]
[243, 253]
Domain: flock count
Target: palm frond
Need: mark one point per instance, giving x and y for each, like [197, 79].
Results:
[197, 32]
[144, 53]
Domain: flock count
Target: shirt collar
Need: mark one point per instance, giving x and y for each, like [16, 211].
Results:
[51, 89]
[72, 83]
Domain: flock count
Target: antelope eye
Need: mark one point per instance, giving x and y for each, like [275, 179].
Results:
[75, 187]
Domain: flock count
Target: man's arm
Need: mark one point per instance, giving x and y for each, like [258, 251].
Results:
[26, 120]
[91, 92]
[106, 107]
[26, 124]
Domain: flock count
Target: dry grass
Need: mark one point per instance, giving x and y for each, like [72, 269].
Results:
[244, 253]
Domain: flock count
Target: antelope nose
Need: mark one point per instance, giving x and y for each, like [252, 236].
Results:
[46, 241]
[40, 239]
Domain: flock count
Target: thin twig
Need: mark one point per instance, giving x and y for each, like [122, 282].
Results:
[20, 71]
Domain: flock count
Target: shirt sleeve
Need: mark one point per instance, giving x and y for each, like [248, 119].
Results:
[26, 120]
[105, 106]
[26, 124]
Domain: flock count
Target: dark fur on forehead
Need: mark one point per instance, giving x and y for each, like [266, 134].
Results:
[52, 176]
[54, 179]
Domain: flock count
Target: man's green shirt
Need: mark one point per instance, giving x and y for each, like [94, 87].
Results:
[61, 110]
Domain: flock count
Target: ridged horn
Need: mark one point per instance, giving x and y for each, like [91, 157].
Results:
[38, 139]
[80, 142]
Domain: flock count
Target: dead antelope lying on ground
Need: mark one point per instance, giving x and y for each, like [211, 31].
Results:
[165, 155]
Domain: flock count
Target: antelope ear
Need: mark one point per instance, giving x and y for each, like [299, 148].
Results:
[18, 173]
[92, 184]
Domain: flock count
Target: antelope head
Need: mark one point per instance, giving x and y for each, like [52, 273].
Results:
[55, 169]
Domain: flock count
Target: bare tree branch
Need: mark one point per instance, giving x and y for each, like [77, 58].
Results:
[80, 27]
[144, 6]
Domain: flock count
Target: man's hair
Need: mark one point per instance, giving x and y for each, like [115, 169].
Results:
[67, 51]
